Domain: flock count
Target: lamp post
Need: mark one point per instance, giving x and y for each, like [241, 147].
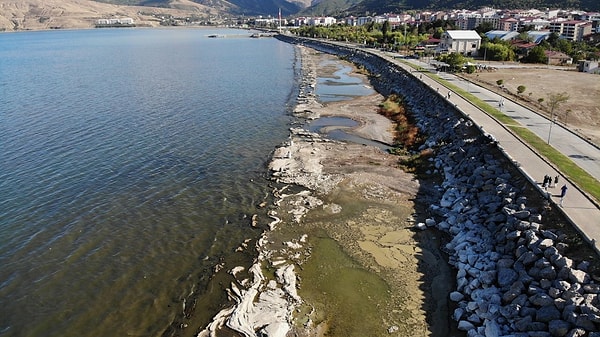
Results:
[484, 53]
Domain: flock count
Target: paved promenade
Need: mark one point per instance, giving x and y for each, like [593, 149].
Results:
[583, 212]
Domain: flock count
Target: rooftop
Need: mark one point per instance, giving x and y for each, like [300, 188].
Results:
[463, 34]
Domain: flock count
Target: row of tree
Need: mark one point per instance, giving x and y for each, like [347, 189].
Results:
[406, 37]
[378, 34]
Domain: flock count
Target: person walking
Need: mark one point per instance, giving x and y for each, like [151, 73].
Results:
[563, 192]
[545, 183]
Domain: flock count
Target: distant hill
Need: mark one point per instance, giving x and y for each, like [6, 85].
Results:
[395, 6]
[75, 14]
[330, 8]
[266, 7]
[72, 14]
[245, 7]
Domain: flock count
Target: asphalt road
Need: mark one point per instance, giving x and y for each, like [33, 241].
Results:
[579, 150]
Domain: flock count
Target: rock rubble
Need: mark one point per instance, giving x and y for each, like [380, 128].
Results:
[512, 278]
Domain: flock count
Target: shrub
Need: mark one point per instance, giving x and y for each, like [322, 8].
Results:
[407, 133]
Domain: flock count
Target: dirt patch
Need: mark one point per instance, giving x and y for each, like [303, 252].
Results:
[581, 112]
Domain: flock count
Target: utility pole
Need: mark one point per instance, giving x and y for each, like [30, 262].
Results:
[550, 131]
[405, 35]
[280, 20]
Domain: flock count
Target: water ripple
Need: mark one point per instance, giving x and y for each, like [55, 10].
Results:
[125, 165]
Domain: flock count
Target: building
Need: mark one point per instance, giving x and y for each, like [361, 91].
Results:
[472, 22]
[558, 58]
[594, 18]
[574, 30]
[322, 21]
[538, 36]
[588, 67]
[363, 20]
[115, 22]
[509, 24]
[466, 42]
[503, 35]
[533, 23]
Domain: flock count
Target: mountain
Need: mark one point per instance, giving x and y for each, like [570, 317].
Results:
[75, 14]
[266, 7]
[329, 8]
[239, 7]
[396, 6]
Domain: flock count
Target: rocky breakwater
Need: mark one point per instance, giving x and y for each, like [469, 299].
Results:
[517, 275]
[512, 277]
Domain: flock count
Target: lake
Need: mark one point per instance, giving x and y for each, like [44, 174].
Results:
[132, 163]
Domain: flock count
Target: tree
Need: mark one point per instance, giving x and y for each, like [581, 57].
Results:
[536, 55]
[521, 89]
[484, 27]
[554, 101]
[385, 29]
[454, 60]
[499, 82]
[500, 51]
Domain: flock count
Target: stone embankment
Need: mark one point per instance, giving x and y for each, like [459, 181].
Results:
[514, 277]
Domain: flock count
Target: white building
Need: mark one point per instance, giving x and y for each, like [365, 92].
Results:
[115, 22]
[466, 42]
[587, 66]
[363, 20]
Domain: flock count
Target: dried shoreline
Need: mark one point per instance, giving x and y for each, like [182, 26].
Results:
[361, 199]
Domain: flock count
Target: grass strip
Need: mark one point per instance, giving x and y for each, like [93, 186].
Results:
[565, 165]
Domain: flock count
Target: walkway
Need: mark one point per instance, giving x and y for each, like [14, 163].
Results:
[583, 213]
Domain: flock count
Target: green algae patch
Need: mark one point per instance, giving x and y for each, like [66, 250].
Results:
[348, 298]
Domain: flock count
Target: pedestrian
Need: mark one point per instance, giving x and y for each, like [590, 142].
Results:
[563, 192]
[545, 182]
[448, 94]
[556, 181]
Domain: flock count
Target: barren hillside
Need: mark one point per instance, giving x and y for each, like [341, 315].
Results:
[75, 14]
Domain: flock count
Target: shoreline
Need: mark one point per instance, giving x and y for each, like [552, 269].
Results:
[345, 200]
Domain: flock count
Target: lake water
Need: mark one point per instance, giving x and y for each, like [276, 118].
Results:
[132, 162]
